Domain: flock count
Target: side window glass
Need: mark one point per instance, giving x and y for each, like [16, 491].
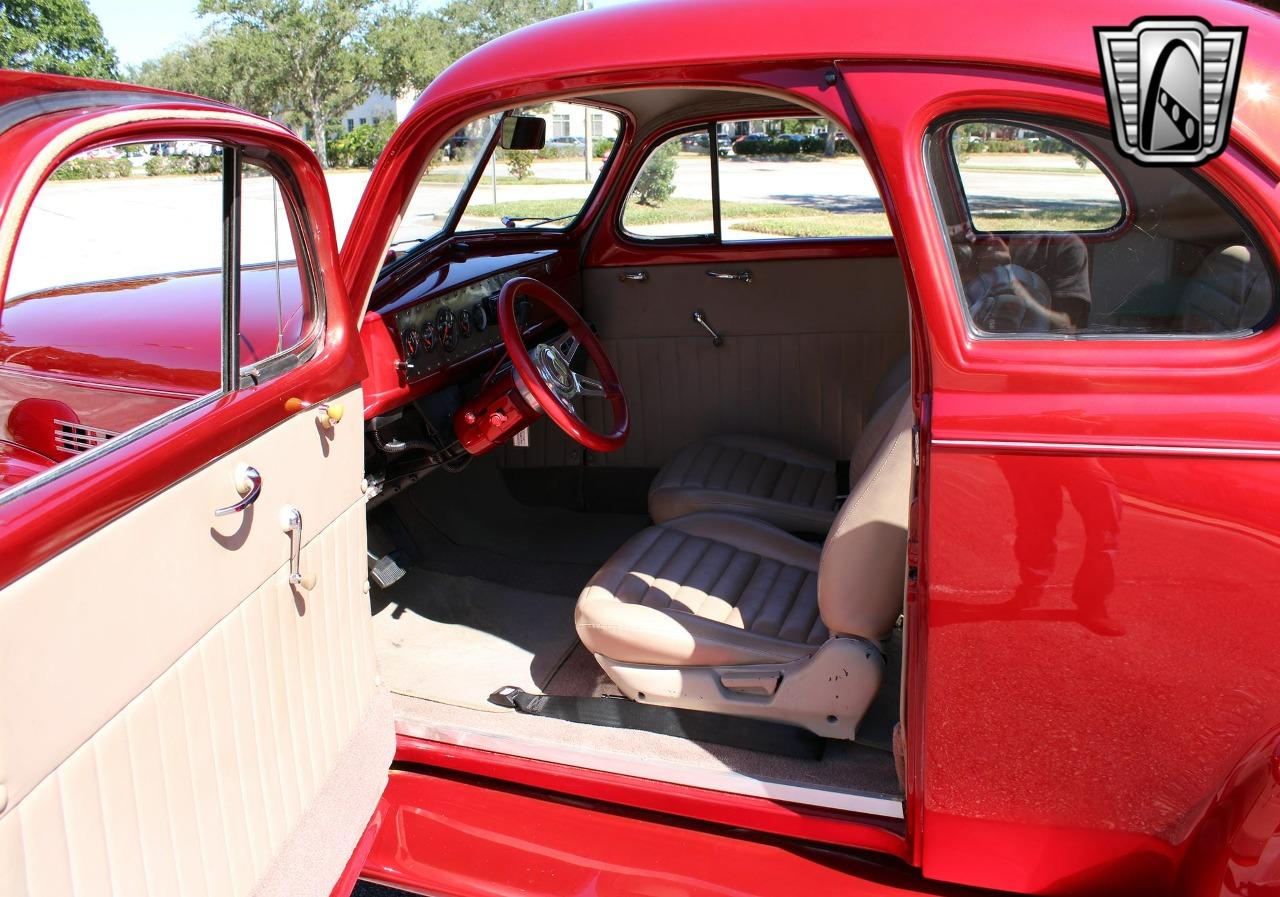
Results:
[276, 308]
[671, 195]
[1020, 179]
[775, 179]
[112, 312]
[1053, 233]
[795, 178]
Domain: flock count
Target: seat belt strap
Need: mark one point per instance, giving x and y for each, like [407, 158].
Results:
[694, 725]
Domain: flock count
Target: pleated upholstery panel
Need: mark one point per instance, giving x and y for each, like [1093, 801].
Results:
[174, 718]
[745, 592]
[766, 479]
[195, 786]
[804, 346]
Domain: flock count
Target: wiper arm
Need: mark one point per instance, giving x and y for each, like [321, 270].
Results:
[513, 220]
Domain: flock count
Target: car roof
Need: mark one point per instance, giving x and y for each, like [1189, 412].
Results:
[657, 34]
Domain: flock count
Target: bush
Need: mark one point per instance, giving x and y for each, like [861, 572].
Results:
[657, 180]
[520, 163]
[92, 169]
[161, 165]
[560, 151]
[601, 147]
[361, 146]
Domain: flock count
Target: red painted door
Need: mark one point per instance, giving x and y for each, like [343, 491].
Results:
[188, 699]
[1093, 669]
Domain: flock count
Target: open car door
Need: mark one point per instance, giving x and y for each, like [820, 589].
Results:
[188, 695]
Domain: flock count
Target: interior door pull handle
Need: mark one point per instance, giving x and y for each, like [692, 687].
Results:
[249, 485]
[744, 276]
[700, 319]
[637, 276]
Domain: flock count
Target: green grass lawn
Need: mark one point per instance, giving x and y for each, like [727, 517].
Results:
[1058, 218]
[450, 177]
[780, 219]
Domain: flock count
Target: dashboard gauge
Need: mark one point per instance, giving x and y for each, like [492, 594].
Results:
[409, 339]
[479, 317]
[447, 329]
[427, 336]
[464, 322]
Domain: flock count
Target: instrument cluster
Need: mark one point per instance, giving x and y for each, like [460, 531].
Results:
[453, 326]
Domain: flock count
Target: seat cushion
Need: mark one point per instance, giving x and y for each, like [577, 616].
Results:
[762, 478]
[708, 589]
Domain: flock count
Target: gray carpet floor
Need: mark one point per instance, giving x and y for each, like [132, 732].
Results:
[490, 603]
[456, 639]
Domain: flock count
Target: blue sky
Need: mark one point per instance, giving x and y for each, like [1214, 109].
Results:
[142, 31]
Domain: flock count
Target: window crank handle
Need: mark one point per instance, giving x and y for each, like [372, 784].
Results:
[700, 319]
[291, 523]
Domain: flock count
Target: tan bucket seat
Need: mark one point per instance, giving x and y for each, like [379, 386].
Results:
[729, 613]
[767, 478]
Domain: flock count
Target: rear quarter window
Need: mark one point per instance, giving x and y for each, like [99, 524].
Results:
[1054, 234]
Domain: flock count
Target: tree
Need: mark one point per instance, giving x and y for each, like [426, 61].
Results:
[657, 180]
[466, 24]
[58, 36]
[309, 60]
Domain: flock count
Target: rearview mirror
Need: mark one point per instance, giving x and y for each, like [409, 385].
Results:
[523, 132]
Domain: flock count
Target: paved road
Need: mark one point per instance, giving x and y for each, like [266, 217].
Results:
[94, 230]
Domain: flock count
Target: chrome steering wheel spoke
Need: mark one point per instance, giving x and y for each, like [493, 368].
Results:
[566, 345]
[588, 386]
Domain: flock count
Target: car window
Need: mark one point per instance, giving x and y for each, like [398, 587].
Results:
[1017, 178]
[441, 184]
[775, 179]
[546, 188]
[1057, 234]
[113, 305]
[671, 195]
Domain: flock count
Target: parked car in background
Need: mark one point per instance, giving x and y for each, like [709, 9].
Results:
[891, 524]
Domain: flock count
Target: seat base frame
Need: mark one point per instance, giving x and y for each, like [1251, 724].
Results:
[827, 692]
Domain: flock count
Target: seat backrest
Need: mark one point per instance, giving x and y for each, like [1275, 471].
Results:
[1229, 291]
[860, 575]
[888, 393]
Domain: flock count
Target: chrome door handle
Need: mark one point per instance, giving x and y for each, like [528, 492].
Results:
[744, 276]
[700, 319]
[249, 485]
[637, 276]
[291, 523]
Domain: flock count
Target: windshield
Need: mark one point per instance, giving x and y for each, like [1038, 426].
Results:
[546, 188]
[543, 189]
[441, 186]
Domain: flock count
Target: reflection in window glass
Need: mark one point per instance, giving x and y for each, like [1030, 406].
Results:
[671, 195]
[544, 188]
[1184, 265]
[275, 312]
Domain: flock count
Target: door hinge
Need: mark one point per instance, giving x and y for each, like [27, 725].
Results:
[915, 445]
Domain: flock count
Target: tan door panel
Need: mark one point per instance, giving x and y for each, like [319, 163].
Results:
[174, 716]
[805, 343]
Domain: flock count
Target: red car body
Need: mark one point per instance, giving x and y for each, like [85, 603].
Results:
[1039, 760]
